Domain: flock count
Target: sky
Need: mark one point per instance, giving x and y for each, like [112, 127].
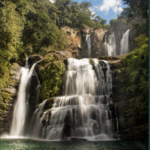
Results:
[106, 9]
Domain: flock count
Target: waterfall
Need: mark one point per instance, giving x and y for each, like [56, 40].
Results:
[37, 121]
[83, 111]
[110, 46]
[21, 105]
[88, 40]
[124, 43]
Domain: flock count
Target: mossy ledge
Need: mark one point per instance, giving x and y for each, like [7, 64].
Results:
[52, 72]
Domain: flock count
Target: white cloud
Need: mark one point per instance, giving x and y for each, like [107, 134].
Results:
[52, 1]
[115, 5]
[92, 10]
[117, 9]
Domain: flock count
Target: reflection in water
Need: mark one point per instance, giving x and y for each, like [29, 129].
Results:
[76, 145]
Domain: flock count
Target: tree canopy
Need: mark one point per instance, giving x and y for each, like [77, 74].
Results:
[33, 26]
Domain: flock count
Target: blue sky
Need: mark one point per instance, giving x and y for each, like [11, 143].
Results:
[106, 9]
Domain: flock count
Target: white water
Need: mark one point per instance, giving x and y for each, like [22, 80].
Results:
[88, 40]
[21, 106]
[83, 111]
[110, 46]
[124, 43]
[37, 121]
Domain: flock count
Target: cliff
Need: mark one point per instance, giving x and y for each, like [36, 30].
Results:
[79, 44]
[8, 96]
[49, 70]
[133, 125]
[51, 73]
[80, 48]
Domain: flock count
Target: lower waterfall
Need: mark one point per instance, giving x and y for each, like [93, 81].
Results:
[83, 111]
[21, 105]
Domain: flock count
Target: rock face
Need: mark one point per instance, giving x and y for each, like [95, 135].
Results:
[132, 126]
[53, 59]
[118, 33]
[75, 40]
[97, 41]
[9, 95]
[44, 82]
[97, 38]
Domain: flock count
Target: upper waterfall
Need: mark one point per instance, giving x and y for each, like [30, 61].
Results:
[124, 43]
[88, 40]
[110, 46]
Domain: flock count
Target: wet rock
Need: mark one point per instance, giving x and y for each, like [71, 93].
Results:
[76, 139]
[96, 129]
[33, 59]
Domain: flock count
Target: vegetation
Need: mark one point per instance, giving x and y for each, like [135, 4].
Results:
[134, 72]
[33, 26]
[52, 74]
[134, 67]
[135, 64]
[134, 16]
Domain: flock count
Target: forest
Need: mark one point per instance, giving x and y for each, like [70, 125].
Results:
[63, 94]
[33, 27]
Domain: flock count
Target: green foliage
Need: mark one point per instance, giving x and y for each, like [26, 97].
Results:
[119, 24]
[52, 74]
[75, 15]
[5, 97]
[113, 22]
[141, 27]
[136, 107]
[10, 31]
[83, 18]
[26, 28]
[135, 17]
[134, 72]
[33, 27]
[102, 22]
[29, 27]
[106, 26]
[139, 7]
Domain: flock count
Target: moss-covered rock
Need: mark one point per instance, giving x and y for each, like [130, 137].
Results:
[2, 106]
[49, 103]
[6, 96]
[34, 58]
[108, 58]
[52, 75]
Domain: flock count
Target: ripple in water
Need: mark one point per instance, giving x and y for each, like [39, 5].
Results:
[18, 144]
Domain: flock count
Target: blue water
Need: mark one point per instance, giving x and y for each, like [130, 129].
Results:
[26, 144]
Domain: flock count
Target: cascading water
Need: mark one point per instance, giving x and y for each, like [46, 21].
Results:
[124, 43]
[88, 40]
[37, 121]
[110, 46]
[83, 111]
[21, 106]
